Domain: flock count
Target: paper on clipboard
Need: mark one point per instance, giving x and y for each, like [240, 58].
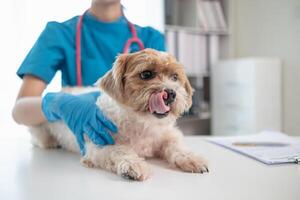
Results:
[268, 154]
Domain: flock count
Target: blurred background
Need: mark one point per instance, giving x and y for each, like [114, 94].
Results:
[242, 58]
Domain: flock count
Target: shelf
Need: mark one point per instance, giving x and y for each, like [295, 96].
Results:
[194, 30]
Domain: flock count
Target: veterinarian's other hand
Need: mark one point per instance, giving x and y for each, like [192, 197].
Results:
[82, 116]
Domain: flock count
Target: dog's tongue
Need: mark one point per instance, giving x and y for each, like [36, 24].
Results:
[157, 104]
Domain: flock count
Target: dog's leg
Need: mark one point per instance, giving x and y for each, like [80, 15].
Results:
[41, 137]
[118, 159]
[173, 150]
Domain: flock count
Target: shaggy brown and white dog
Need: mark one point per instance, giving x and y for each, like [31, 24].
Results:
[143, 94]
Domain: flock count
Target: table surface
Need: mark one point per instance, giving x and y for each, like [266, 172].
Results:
[27, 172]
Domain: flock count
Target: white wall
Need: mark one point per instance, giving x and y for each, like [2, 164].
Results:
[272, 28]
[145, 12]
[22, 22]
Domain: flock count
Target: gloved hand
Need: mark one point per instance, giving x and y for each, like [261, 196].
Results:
[81, 114]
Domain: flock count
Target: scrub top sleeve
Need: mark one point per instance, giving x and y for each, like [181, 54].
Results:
[156, 40]
[46, 56]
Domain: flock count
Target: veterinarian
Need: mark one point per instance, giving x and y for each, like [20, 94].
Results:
[83, 48]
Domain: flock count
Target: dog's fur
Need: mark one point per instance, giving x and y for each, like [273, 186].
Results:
[125, 100]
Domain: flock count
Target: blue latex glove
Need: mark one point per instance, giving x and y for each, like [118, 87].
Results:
[81, 115]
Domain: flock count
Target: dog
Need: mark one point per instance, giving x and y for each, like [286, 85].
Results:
[143, 94]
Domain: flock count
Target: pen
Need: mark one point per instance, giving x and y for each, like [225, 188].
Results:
[260, 144]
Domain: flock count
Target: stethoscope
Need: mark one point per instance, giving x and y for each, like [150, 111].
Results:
[130, 41]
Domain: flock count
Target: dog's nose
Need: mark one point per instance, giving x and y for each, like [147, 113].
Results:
[171, 96]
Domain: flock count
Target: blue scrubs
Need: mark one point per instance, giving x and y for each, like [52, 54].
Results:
[100, 43]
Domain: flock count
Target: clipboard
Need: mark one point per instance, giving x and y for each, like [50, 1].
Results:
[267, 147]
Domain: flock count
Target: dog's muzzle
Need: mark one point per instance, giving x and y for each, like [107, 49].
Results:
[159, 103]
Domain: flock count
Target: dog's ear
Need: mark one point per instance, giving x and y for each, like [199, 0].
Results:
[189, 91]
[113, 81]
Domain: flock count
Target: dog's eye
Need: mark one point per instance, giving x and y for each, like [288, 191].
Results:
[174, 77]
[147, 75]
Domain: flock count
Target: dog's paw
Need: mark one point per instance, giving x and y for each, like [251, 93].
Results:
[87, 162]
[46, 143]
[134, 170]
[190, 162]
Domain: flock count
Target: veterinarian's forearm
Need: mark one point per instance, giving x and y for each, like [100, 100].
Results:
[27, 111]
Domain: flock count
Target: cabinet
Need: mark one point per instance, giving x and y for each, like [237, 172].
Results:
[246, 96]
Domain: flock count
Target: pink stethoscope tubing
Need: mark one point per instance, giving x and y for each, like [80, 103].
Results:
[130, 41]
